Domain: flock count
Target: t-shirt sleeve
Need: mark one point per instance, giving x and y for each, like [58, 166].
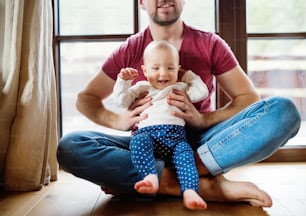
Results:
[223, 59]
[116, 61]
[128, 54]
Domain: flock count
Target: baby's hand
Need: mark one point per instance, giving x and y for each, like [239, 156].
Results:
[128, 73]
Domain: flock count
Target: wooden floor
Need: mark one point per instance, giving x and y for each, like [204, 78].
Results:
[71, 196]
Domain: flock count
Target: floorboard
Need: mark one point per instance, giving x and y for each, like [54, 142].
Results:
[71, 196]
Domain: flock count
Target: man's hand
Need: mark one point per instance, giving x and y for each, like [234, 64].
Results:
[132, 116]
[188, 112]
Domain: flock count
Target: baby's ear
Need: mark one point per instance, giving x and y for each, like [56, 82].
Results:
[144, 70]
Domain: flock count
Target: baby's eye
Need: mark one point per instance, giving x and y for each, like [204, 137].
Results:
[154, 68]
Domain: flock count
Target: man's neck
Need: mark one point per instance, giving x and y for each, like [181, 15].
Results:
[172, 33]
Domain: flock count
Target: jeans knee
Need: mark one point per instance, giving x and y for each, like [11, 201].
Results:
[64, 143]
[288, 112]
[65, 147]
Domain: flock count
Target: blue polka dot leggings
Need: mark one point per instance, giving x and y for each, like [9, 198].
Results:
[166, 142]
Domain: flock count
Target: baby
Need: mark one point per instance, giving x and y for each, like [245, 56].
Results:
[162, 134]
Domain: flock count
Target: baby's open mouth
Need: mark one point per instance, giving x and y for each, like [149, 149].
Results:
[163, 81]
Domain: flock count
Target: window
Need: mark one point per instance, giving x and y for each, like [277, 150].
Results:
[79, 62]
[267, 37]
[276, 52]
[95, 17]
[88, 31]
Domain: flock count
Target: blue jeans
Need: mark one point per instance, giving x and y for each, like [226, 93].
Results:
[250, 136]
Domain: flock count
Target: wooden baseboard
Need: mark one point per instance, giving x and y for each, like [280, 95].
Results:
[288, 154]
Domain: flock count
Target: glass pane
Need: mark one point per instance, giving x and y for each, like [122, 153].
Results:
[79, 62]
[276, 16]
[278, 67]
[91, 17]
[198, 13]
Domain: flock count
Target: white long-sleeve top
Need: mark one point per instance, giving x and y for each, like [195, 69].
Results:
[160, 112]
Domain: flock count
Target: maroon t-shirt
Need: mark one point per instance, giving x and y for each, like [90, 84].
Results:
[205, 53]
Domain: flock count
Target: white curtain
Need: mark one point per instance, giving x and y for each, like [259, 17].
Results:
[28, 107]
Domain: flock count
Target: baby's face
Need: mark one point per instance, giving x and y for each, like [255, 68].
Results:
[161, 68]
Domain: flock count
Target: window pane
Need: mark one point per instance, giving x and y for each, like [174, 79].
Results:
[197, 13]
[79, 62]
[276, 16]
[278, 67]
[92, 17]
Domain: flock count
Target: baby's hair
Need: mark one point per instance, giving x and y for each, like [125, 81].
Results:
[160, 44]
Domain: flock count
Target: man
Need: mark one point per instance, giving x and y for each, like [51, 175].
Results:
[224, 139]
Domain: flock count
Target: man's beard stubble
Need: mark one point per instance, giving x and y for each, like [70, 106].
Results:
[161, 22]
[167, 22]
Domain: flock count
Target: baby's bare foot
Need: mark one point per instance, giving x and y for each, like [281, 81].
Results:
[149, 185]
[192, 200]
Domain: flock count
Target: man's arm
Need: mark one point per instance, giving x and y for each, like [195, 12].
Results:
[89, 100]
[241, 92]
[238, 88]
[89, 103]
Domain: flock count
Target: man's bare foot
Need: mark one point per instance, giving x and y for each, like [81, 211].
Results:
[149, 185]
[202, 170]
[192, 200]
[219, 189]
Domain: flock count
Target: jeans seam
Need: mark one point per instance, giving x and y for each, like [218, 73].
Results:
[238, 130]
